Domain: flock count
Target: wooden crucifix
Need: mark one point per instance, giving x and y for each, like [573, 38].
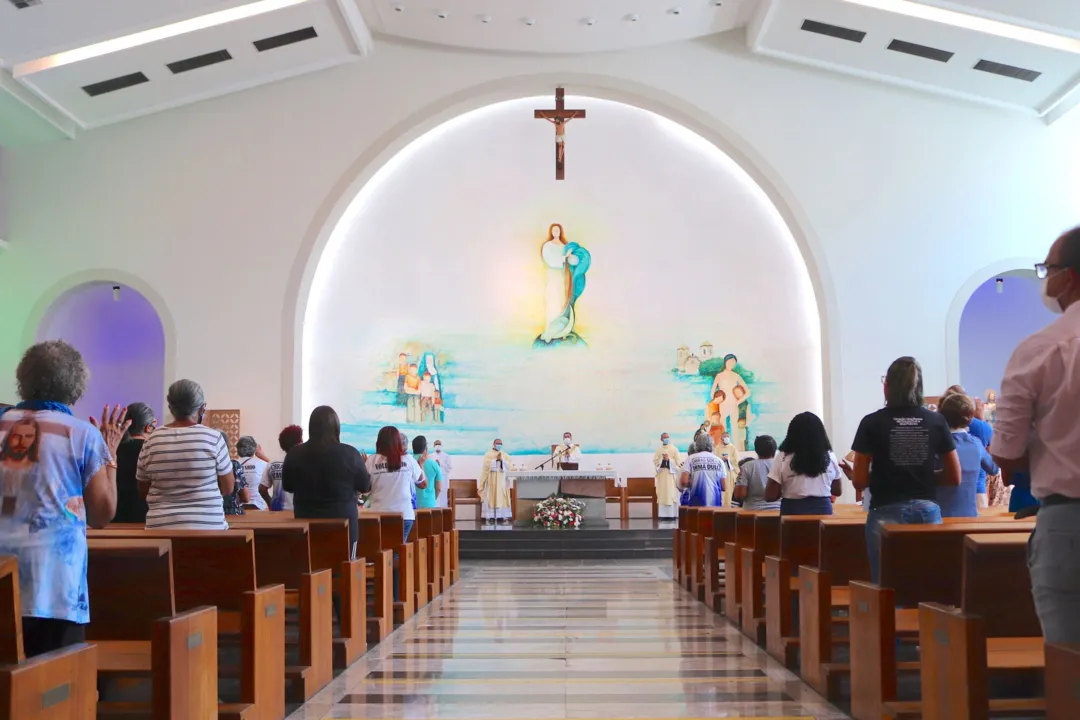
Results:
[559, 117]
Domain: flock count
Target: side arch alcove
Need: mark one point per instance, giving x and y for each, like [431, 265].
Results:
[437, 263]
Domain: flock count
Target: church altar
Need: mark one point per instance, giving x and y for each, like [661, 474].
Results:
[590, 486]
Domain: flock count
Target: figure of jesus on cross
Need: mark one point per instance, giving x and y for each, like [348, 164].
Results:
[559, 117]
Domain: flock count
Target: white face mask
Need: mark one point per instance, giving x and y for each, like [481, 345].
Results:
[438, 448]
[1052, 303]
[566, 440]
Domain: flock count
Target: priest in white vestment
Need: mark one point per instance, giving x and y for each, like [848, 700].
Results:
[492, 487]
[568, 452]
[666, 461]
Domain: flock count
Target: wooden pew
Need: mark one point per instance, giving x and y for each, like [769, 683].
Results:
[330, 549]
[678, 546]
[766, 541]
[617, 495]
[1062, 682]
[823, 589]
[994, 632]
[640, 490]
[451, 554]
[60, 684]
[425, 531]
[146, 637]
[689, 547]
[425, 582]
[464, 492]
[380, 577]
[919, 563]
[699, 536]
[713, 555]
[392, 529]
[217, 568]
[744, 537]
[799, 539]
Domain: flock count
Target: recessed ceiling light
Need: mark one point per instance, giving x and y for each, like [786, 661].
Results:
[399, 8]
[529, 21]
[590, 21]
[675, 11]
[974, 22]
[442, 14]
[484, 19]
[718, 3]
[144, 37]
[632, 17]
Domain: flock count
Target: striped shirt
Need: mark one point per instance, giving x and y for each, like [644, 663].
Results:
[182, 465]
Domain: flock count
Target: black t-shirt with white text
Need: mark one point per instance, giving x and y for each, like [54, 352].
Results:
[904, 444]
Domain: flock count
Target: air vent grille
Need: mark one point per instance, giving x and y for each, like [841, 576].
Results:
[285, 39]
[116, 83]
[23, 4]
[923, 51]
[1008, 71]
[835, 31]
[199, 61]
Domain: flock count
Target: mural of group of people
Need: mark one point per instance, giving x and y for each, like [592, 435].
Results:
[727, 408]
[419, 389]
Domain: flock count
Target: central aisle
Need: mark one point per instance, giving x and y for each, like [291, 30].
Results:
[600, 639]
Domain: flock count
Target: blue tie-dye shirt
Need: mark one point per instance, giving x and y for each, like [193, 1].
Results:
[46, 459]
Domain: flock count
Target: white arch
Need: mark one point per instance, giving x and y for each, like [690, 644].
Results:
[602, 87]
[102, 275]
[960, 301]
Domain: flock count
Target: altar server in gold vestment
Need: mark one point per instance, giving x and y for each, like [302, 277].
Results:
[494, 494]
[666, 461]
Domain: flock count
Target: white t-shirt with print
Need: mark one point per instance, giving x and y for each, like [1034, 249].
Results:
[393, 491]
[794, 486]
[253, 469]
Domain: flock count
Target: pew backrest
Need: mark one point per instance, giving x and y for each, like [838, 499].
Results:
[130, 583]
[842, 550]
[997, 585]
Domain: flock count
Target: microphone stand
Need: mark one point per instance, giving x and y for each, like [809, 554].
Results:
[554, 457]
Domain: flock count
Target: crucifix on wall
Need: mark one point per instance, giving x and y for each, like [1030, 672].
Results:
[559, 117]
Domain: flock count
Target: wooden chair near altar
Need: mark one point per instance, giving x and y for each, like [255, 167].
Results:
[640, 490]
[463, 492]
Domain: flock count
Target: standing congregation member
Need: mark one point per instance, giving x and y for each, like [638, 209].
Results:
[130, 504]
[726, 451]
[492, 488]
[666, 462]
[429, 494]
[960, 501]
[754, 476]
[703, 475]
[58, 475]
[253, 465]
[270, 485]
[806, 473]
[395, 476]
[982, 430]
[1038, 431]
[324, 474]
[896, 451]
[186, 467]
[445, 464]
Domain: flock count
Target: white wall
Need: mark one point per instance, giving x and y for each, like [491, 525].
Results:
[898, 197]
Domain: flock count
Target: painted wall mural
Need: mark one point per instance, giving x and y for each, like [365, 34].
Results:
[469, 296]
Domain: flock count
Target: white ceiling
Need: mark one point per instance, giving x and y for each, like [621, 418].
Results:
[558, 26]
[32, 76]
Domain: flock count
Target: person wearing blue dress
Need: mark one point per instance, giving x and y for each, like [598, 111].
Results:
[961, 501]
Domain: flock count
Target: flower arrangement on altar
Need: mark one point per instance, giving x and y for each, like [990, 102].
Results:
[558, 513]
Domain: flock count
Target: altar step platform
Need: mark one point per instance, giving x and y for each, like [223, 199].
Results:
[625, 540]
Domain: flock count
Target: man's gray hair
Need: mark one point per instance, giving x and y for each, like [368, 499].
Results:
[185, 398]
[704, 443]
[246, 446]
[52, 371]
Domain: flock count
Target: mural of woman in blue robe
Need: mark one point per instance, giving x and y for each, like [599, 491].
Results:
[566, 265]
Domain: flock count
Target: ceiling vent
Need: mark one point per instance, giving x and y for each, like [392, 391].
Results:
[285, 39]
[923, 51]
[1007, 71]
[117, 83]
[835, 31]
[199, 61]
[23, 4]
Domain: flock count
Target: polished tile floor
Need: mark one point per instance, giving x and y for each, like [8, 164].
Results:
[574, 639]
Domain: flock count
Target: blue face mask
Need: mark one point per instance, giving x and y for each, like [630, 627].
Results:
[667, 441]
[498, 446]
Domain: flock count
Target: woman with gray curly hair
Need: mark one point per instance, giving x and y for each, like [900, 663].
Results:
[185, 467]
[57, 475]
